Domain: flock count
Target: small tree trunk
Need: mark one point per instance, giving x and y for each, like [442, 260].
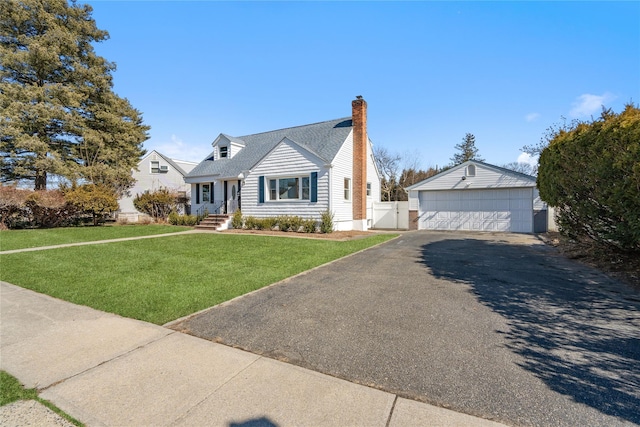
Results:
[41, 180]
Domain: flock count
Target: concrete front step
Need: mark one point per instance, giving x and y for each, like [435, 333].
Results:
[212, 222]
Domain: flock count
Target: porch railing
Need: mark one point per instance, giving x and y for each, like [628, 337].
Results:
[205, 210]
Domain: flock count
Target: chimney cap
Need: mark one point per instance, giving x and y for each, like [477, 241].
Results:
[358, 96]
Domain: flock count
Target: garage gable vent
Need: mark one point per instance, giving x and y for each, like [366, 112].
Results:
[471, 170]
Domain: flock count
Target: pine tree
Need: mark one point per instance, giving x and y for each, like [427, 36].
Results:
[59, 115]
[467, 150]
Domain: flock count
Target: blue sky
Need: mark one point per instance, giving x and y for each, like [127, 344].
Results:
[430, 71]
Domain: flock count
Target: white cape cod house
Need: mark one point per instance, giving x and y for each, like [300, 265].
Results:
[301, 171]
[155, 171]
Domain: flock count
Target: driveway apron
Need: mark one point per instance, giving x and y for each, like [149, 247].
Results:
[497, 326]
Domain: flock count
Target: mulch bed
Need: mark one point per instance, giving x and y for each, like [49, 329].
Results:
[623, 266]
[336, 235]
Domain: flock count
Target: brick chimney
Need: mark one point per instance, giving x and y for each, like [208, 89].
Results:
[359, 198]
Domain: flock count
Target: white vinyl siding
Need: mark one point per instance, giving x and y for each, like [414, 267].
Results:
[342, 168]
[286, 160]
[484, 178]
[152, 181]
[372, 176]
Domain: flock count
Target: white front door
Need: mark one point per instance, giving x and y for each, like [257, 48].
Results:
[232, 196]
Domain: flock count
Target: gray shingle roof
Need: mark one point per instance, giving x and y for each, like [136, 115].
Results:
[323, 139]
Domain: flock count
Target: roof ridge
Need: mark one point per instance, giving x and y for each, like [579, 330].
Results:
[295, 127]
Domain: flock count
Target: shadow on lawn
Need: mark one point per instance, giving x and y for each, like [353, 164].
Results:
[577, 330]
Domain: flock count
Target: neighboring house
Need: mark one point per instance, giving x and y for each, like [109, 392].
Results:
[155, 171]
[477, 196]
[301, 171]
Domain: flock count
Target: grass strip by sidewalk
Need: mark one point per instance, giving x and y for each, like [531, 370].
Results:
[159, 280]
[21, 239]
[11, 391]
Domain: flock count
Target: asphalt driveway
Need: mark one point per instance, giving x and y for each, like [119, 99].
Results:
[497, 326]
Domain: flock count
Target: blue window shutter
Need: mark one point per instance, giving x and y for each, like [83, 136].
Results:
[261, 189]
[197, 193]
[314, 186]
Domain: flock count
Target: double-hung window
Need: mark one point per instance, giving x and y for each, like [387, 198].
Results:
[347, 189]
[206, 193]
[155, 166]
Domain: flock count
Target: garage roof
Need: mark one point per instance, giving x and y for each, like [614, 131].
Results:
[485, 175]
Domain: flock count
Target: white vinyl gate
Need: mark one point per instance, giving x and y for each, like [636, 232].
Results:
[391, 215]
[477, 210]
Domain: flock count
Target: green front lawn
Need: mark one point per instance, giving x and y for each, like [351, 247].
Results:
[11, 391]
[19, 239]
[159, 280]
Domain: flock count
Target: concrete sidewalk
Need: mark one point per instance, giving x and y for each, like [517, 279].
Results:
[100, 242]
[107, 370]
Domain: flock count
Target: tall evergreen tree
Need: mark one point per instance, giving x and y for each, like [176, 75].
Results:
[467, 150]
[58, 112]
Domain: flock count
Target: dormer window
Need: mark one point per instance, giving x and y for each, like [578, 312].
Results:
[471, 170]
[224, 152]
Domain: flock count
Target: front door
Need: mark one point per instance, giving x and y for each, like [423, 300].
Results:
[232, 194]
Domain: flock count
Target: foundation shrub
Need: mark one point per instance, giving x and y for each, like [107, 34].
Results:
[236, 220]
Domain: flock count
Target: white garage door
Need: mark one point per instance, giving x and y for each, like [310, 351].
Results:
[477, 210]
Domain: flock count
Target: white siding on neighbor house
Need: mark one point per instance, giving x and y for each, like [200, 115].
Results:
[146, 180]
[342, 168]
[286, 160]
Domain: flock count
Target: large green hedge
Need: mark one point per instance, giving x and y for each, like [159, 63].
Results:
[591, 173]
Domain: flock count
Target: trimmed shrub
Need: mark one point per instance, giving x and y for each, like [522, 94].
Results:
[252, 223]
[326, 221]
[158, 204]
[289, 223]
[269, 223]
[188, 220]
[236, 220]
[309, 225]
[173, 218]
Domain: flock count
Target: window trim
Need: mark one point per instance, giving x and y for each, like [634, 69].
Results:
[154, 169]
[347, 189]
[226, 152]
[470, 169]
[270, 190]
[368, 189]
[208, 187]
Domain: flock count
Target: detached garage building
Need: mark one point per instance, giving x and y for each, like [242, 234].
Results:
[476, 196]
